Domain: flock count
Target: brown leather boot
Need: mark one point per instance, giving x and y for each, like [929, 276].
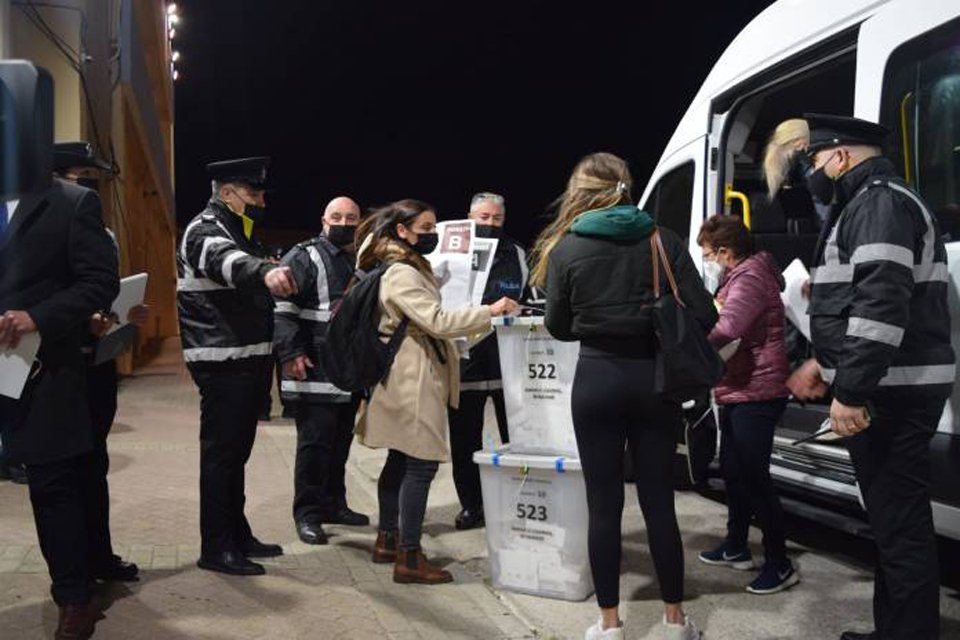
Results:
[412, 567]
[385, 550]
[76, 623]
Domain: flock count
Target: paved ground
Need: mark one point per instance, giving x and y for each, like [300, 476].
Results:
[335, 592]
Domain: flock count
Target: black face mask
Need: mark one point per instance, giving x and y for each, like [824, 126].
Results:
[254, 212]
[800, 168]
[820, 186]
[89, 183]
[489, 231]
[426, 243]
[341, 235]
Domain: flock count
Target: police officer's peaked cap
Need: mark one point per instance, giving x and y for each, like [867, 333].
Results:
[76, 154]
[832, 131]
[249, 171]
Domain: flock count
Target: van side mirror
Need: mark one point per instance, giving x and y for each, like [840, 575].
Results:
[26, 129]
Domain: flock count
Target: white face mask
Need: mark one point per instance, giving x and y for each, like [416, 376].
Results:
[711, 275]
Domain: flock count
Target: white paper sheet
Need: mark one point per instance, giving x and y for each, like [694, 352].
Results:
[451, 262]
[132, 290]
[519, 569]
[794, 302]
[726, 351]
[484, 249]
[15, 365]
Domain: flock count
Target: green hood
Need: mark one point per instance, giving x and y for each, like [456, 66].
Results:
[624, 221]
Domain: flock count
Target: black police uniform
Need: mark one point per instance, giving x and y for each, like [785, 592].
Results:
[226, 327]
[480, 378]
[881, 330]
[324, 413]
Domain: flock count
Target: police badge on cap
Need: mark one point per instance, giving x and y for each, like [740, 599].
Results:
[833, 131]
[67, 155]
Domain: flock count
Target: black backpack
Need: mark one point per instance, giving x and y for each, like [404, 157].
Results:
[355, 358]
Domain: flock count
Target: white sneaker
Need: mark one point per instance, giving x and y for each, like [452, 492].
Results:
[597, 632]
[685, 631]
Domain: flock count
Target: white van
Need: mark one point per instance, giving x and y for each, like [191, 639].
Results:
[895, 62]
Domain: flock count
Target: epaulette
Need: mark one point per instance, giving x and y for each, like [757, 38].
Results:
[208, 217]
[308, 243]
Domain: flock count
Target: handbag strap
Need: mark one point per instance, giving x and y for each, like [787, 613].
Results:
[659, 255]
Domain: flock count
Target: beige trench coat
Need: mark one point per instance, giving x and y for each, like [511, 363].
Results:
[409, 411]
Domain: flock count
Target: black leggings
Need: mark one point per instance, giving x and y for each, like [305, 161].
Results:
[612, 407]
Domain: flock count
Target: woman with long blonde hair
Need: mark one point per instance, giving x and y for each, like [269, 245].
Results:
[779, 157]
[595, 261]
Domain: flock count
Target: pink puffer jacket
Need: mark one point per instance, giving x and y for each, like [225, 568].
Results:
[751, 309]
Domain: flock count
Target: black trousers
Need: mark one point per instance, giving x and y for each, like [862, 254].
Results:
[613, 407]
[745, 448]
[102, 399]
[230, 401]
[402, 491]
[59, 495]
[466, 437]
[892, 463]
[266, 404]
[324, 436]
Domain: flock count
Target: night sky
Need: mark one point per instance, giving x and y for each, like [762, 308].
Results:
[386, 100]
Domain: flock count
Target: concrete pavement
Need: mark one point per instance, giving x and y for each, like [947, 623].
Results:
[335, 592]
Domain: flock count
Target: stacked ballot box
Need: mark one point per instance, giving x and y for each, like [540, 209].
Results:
[533, 493]
[537, 373]
[536, 514]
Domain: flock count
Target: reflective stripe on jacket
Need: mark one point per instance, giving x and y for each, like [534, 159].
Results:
[225, 309]
[878, 306]
[322, 271]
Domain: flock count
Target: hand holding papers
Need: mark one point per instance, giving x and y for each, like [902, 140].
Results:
[132, 290]
[794, 299]
[16, 363]
[120, 336]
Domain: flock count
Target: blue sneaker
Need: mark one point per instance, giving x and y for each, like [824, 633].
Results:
[741, 560]
[774, 579]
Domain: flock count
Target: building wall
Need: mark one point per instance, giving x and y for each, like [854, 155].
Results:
[127, 117]
[28, 43]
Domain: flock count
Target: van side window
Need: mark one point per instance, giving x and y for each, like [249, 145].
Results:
[671, 200]
[921, 104]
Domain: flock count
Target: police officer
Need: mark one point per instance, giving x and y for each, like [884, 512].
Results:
[76, 162]
[480, 374]
[322, 268]
[224, 300]
[881, 331]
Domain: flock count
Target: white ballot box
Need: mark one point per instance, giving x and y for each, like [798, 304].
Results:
[536, 514]
[537, 375]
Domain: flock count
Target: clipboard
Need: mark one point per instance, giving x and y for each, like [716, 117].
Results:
[132, 290]
[114, 343]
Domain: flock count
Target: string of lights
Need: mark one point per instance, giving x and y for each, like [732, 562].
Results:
[173, 19]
